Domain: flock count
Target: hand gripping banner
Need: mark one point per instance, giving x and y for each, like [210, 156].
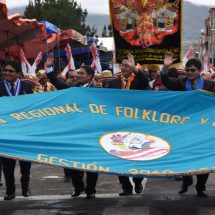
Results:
[133, 133]
[147, 29]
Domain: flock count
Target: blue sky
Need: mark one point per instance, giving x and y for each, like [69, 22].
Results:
[99, 6]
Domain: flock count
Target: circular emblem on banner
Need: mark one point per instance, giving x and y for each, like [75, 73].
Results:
[135, 146]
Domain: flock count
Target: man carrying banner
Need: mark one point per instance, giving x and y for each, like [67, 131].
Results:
[85, 77]
[191, 81]
[131, 79]
[13, 86]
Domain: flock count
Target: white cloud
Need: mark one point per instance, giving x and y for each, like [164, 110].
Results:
[92, 6]
[100, 6]
[203, 2]
[95, 6]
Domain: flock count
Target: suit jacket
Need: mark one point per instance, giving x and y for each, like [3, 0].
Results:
[140, 82]
[62, 85]
[25, 88]
[180, 83]
[91, 85]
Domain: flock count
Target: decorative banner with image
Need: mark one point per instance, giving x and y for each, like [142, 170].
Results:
[147, 29]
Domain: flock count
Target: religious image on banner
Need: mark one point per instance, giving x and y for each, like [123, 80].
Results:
[134, 146]
[147, 29]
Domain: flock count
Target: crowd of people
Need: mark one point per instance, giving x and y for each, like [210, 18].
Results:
[148, 77]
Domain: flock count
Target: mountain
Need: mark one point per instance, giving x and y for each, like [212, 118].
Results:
[193, 20]
[99, 20]
[19, 10]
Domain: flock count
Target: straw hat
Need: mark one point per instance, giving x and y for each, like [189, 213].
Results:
[153, 67]
[179, 66]
[41, 74]
[106, 73]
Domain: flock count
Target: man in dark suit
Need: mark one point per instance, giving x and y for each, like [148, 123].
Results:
[131, 79]
[13, 86]
[191, 81]
[85, 77]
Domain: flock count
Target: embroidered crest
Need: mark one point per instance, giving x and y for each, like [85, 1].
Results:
[134, 146]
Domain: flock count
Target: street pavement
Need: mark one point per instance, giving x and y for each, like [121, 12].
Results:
[51, 195]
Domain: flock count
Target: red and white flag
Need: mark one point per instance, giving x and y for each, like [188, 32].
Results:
[24, 63]
[36, 64]
[188, 55]
[27, 69]
[96, 65]
[71, 64]
[205, 63]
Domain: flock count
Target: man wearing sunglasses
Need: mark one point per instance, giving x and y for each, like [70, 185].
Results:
[13, 86]
[191, 81]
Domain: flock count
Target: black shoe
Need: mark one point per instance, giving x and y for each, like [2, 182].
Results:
[178, 178]
[201, 194]
[26, 193]
[9, 196]
[138, 188]
[125, 193]
[77, 193]
[184, 189]
[90, 196]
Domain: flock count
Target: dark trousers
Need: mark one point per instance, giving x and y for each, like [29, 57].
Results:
[126, 184]
[0, 169]
[67, 172]
[201, 181]
[8, 170]
[77, 180]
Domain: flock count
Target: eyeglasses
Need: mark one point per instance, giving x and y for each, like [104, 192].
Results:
[190, 69]
[125, 65]
[9, 70]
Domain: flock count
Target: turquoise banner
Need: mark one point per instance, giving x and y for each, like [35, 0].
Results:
[134, 133]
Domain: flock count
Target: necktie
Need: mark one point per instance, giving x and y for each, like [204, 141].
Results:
[12, 89]
[193, 85]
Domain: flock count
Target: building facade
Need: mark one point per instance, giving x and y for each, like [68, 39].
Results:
[206, 42]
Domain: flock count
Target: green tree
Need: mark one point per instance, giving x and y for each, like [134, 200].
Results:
[104, 31]
[64, 14]
[92, 31]
[107, 31]
[110, 31]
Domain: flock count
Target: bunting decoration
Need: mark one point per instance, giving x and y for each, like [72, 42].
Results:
[71, 64]
[188, 55]
[96, 65]
[27, 69]
[205, 63]
[36, 64]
